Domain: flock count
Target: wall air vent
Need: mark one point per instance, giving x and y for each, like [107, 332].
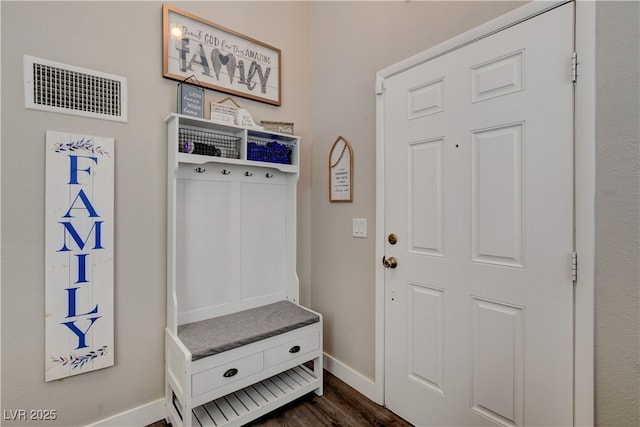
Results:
[60, 88]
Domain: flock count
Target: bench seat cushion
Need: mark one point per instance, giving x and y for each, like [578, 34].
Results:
[212, 336]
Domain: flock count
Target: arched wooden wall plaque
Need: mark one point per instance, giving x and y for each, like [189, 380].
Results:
[341, 171]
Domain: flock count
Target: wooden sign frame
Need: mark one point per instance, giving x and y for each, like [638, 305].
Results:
[222, 59]
[341, 171]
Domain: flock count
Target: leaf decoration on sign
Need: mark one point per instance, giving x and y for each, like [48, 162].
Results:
[79, 361]
[82, 144]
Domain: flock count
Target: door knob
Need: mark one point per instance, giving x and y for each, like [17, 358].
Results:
[390, 262]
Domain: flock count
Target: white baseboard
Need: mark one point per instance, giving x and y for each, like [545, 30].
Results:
[138, 417]
[354, 379]
[155, 411]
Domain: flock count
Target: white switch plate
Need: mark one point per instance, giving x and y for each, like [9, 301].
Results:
[360, 227]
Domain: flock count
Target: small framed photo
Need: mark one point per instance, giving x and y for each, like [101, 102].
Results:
[226, 114]
[280, 127]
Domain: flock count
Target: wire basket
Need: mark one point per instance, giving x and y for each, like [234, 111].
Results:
[269, 151]
[198, 141]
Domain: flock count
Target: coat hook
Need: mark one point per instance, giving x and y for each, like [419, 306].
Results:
[225, 172]
[269, 175]
[247, 173]
[200, 170]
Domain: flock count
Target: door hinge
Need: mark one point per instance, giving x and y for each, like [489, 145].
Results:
[379, 86]
[574, 67]
[574, 267]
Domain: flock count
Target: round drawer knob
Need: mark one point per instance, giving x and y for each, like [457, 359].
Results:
[294, 349]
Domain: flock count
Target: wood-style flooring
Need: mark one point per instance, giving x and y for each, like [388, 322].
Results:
[340, 406]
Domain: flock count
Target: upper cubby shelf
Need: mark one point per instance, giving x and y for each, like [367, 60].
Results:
[200, 141]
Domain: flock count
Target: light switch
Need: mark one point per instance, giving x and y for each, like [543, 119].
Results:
[360, 227]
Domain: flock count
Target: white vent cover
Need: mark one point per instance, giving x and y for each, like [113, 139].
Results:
[61, 88]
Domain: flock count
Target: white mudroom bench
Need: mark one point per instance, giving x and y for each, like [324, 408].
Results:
[237, 343]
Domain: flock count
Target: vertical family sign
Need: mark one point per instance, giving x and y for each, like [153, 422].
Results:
[79, 245]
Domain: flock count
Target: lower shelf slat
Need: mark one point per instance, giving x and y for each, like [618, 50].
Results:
[202, 417]
[251, 401]
[273, 388]
[236, 404]
[226, 409]
[246, 400]
[260, 394]
[214, 414]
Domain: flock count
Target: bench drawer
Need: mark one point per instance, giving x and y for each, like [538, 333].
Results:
[224, 374]
[293, 349]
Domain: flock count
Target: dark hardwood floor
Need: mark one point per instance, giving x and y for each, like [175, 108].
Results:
[340, 406]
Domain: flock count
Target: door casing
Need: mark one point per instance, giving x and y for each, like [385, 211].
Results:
[584, 192]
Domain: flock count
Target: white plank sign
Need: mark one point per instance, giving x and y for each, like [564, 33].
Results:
[79, 245]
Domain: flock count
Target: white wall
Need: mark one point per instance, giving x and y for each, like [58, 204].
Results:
[617, 214]
[331, 51]
[122, 38]
[351, 41]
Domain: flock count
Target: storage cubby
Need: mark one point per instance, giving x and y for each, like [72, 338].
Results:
[206, 132]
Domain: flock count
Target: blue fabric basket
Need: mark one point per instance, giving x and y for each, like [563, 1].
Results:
[272, 152]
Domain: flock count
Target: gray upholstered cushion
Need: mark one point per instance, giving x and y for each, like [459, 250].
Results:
[213, 336]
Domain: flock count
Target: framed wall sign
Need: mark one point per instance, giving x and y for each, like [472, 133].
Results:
[341, 171]
[221, 59]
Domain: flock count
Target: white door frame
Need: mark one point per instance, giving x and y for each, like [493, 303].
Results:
[584, 191]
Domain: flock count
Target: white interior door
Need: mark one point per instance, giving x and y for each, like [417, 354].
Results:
[478, 148]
